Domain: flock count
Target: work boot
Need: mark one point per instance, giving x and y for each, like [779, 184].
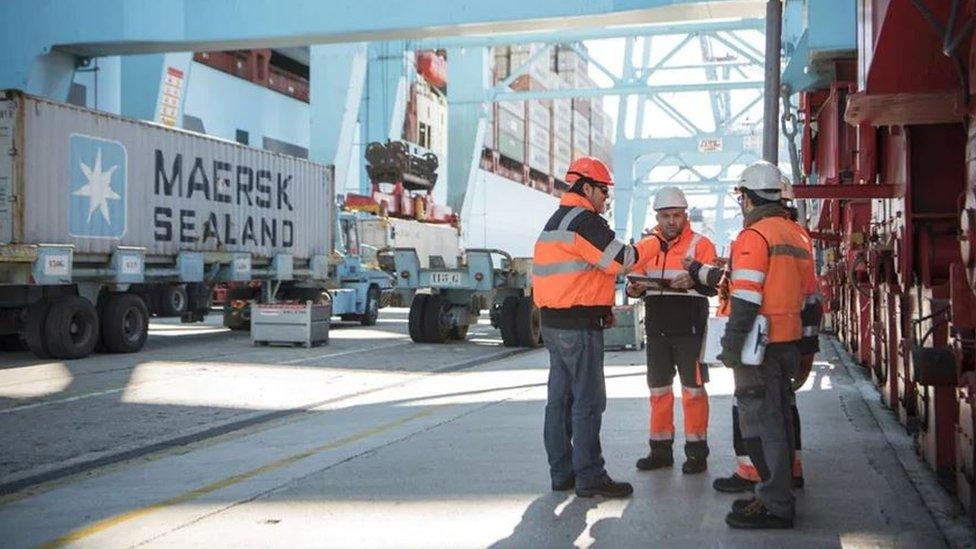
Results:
[740, 504]
[696, 462]
[733, 484]
[607, 488]
[661, 456]
[755, 516]
[694, 465]
[563, 485]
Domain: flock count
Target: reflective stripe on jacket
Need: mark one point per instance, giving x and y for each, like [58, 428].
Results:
[676, 311]
[576, 262]
[770, 265]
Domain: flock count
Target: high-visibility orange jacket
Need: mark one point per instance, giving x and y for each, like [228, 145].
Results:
[770, 269]
[577, 259]
[677, 311]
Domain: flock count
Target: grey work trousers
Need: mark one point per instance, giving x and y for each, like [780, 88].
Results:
[763, 393]
[575, 405]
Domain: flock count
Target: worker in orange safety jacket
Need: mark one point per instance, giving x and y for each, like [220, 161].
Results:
[675, 320]
[746, 476]
[770, 262]
[576, 262]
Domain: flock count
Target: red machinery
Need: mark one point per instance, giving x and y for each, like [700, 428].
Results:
[896, 157]
[433, 68]
[403, 177]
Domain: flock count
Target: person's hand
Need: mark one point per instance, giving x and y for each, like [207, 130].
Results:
[635, 289]
[682, 281]
[687, 261]
[721, 262]
[609, 321]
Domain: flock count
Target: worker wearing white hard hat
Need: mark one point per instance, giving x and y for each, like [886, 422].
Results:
[675, 319]
[769, 259]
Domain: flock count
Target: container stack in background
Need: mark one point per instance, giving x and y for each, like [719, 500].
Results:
[532, 142]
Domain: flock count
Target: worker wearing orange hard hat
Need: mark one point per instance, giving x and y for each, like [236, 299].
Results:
[575, 265]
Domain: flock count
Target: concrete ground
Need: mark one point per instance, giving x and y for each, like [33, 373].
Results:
[379, 442]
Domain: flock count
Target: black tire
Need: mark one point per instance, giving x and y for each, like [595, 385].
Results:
[172, 301]
[350, 317]
[71, 328]
[371, 312]
[507, 323]
[528, 323]
[435, 330]
[34, 334]
[459, 333]
[415, 321]
[125, 323]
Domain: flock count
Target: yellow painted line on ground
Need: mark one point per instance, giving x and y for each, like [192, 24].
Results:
[111, 522]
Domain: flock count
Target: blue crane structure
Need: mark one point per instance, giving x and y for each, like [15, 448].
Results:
[359, 67]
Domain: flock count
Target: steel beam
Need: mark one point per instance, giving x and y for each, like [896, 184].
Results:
[771, 93]
[625, 90]
[337, 73]
[582, 34]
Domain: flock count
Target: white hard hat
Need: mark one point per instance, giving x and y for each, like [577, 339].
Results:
[786, 189]
[762, 178]
[669, 197]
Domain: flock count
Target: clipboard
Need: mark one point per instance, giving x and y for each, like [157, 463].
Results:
[651, 282]
[655, 284]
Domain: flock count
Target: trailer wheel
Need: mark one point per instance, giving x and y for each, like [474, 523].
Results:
[507, 322]
[459, 333]
[71, 328]
[434, 328]
[125, 323]
[371, 312]
[528, 321]
[415, 322]
[172, 301]
[34, 330]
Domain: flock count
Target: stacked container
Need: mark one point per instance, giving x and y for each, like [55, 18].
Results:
[547, 135]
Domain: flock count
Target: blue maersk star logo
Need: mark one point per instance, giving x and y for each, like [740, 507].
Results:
[97, 205]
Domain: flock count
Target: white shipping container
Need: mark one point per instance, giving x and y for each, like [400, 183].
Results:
[509, 123]
[539, 114]
[539, 137]
[98, 181]
[539, 158]
[561, 148]
[515, 107]
[428, 239]
[580, 124]
[562, 127]
[562, 108]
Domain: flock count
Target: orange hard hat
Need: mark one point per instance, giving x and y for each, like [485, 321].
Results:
[590, 168]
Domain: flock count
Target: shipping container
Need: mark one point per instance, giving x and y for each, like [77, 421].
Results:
[95, 182]
[511, 146]
[538, 137]
[539, 159]
[101, 215]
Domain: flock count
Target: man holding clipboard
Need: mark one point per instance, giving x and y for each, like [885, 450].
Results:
[675, 319]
